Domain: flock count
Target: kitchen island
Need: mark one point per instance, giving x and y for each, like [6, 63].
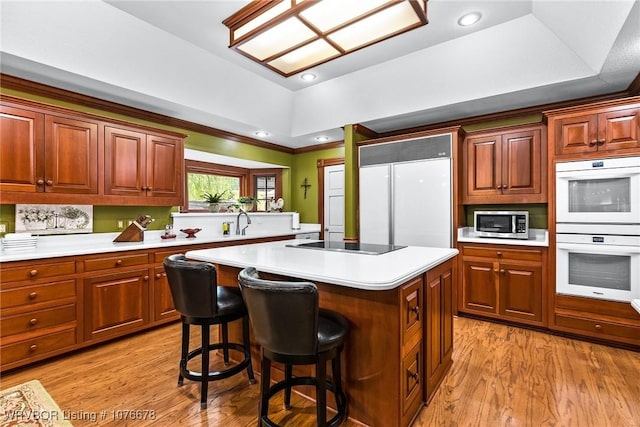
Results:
[399, 306]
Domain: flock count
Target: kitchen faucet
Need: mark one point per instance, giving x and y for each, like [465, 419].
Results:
[238, 222]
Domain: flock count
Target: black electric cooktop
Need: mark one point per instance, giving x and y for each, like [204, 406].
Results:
[360, 248]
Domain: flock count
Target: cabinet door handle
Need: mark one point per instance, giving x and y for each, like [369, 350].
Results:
[601, 142]
[33, 273]
[33, 347]
[49, 182]
[495, 270]
[145, 278]
[149, 188]
[33, 321]
[499, 253]
[33, 295]
[143, 188]
[40, 182]
[414, 375]
[598, 326]
[593, 142]
[158, 276]
[416, 310]
[119, 262]
[502, 271]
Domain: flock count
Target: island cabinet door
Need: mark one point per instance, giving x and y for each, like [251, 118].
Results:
[115, 304]
[438, 341]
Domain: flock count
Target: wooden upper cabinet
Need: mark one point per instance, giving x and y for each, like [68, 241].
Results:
[47, 153]
[505, 167]
[71, 156]
[143, 165]
[124, 162]
[596, 130]
[21, 149]
[618, 130]
[164, 166]
[55, 155]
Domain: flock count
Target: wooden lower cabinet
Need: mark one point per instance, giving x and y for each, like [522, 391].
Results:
[610, 321]
[39, 311]
[52, 306]
[438, 336]
[162, 307]
[503, 282]
[115, 303]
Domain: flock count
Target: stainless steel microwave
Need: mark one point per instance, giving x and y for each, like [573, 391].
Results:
[502, 224]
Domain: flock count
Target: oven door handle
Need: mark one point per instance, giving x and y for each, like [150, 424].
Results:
[598, 173]
[587, 248]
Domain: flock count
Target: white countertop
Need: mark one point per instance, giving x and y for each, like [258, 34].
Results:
[86, 244]
[362, 271]
[537, 237]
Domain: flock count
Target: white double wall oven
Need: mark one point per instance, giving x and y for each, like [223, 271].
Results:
[598, 228]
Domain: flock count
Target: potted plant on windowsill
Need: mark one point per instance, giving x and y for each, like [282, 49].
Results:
[247, 203]
[214, 200]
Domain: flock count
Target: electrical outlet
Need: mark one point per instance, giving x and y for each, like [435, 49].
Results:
[3, 227]
[120, 224]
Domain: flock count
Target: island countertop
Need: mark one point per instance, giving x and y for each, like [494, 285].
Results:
[355, 270]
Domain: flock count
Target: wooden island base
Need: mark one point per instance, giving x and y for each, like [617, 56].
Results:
[399, 345]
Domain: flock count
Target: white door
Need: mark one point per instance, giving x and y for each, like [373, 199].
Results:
[334, 203]
[375, 210]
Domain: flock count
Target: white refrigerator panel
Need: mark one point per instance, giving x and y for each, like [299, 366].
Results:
[374, 204]
[422, 203]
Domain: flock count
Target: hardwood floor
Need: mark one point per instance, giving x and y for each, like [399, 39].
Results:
[501, 376]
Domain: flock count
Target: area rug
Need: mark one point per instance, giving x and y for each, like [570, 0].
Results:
[29, 405]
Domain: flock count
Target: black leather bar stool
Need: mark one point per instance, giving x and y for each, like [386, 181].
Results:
[293, 330]
[200, 301]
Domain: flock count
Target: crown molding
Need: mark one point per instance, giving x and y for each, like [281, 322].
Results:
[34, 88]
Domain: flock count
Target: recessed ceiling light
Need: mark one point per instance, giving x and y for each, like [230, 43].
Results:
[261, 134]
[308, 77]
[322, 138]
[469, 19]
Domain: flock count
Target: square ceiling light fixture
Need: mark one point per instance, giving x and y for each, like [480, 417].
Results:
[289, 36]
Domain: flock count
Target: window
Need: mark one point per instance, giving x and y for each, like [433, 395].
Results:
[203, 177]
[265, 191]
[267, 185]
[212, 178]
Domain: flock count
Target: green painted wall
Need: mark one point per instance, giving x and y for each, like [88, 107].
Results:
[351, 172]
[305, 165]
[105, 217]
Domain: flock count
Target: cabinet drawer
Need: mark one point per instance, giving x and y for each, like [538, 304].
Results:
[27, 295]
[36, 271]
[500, 253]
[115, 262]
[160, 256]
[600, 329]
[411, 310]
[37, 346]
[37, 320]
[411, 387]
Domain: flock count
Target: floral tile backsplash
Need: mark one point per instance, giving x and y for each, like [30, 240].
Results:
[54, 219]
